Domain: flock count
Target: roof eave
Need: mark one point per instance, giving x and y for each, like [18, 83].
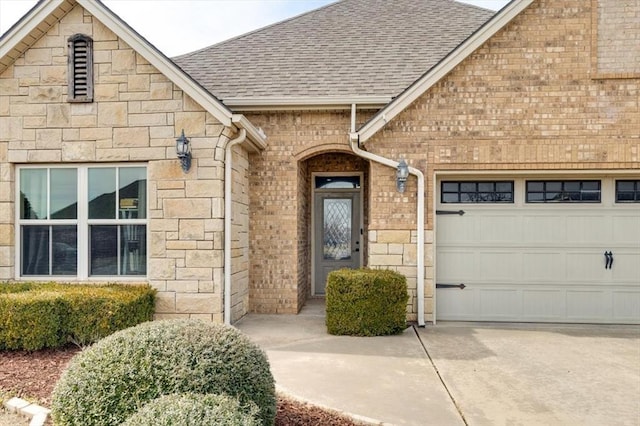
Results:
[258, 104]
[440, 70]
[21, 35]
[256, 139]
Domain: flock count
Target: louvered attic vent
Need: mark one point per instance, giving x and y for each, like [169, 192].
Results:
[80, 68]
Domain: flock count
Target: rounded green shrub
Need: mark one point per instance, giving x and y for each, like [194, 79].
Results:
[366, 302]
[195, 409]
[109, 381]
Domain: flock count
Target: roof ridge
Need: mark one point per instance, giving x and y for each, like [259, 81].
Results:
[258, 30]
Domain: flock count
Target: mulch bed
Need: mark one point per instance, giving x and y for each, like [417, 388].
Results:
[34, 375]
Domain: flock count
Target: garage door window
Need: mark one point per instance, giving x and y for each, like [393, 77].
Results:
[628, 191]
[563, 191]
[477, 192]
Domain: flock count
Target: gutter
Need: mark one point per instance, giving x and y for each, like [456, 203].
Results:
[354, 140]
[228, 165]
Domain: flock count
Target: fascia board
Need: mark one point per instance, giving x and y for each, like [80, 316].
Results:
[444, 67]
[159, 60]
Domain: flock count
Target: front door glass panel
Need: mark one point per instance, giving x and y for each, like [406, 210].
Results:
[337, 228]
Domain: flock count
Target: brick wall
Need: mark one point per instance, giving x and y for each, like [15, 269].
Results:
[525, 100]
[280, 202]
[136, 116]
[616, 37]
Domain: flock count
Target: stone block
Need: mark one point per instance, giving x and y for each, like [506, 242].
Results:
[79, 151]
[198, 303]
[28, 109]
[131, 137]
[44, 156]
[191, 229]
[165, 302]
[45, 94]
[58, 115]
[123, 61]
[53, 75]
[48, 138]
[194, 274]
[392, 236]
[204, 259]
[193, 123]
[161, 90]
[138, 83]
[121, 154]
[204, 188]
[112, 114]
[385, 260]
[106, 92]
[183, 286]
[187, 208]
[160, 268]
[35, 56]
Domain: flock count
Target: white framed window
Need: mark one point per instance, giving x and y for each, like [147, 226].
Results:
[82, 221]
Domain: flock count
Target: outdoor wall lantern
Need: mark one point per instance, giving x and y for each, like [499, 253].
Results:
[402, 173]
[183, 150]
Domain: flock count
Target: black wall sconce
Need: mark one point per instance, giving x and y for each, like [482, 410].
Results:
[183, 150]
[402, 173]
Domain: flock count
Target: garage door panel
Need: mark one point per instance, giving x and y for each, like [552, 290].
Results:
[457, 304]
[543, 229]
[499, 266]
[626, 305]
[585, 267]
[456, 232]
[583, 305]
[499, 304]
[626, 228]
[543, 266]
[626, 267]
[542, 305]
[456, 265]
[500, 229]
[588, 229]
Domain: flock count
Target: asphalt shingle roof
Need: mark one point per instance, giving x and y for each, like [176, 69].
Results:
[349, 48]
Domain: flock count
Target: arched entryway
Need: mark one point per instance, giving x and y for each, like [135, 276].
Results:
[334, 217]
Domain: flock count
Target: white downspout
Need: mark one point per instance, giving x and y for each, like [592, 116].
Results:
[228, 165]
[354, 141]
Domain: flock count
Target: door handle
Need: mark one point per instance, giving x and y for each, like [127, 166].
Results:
[608, 259]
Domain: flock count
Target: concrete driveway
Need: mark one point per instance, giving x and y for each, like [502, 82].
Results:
[532, 374]
[457, 374]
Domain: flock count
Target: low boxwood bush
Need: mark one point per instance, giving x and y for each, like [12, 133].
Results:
[109, 381]
[46, 315]
[366, 302]
[195, 409]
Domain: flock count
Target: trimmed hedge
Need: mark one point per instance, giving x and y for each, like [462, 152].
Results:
[195, 409]
[47, 315]
[109, 381]
[366, 302]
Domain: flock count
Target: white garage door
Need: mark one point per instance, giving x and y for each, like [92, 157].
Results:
[539, 250]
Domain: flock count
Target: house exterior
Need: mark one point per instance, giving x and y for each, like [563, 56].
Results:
[521, 130]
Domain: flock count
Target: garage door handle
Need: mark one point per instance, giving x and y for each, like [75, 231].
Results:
[460, 286]
[608, 259]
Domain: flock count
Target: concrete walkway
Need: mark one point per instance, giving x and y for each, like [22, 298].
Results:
[386, 380]
[492, 374]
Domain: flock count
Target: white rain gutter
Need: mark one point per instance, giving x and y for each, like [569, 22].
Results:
[354, 141]
[228, 165]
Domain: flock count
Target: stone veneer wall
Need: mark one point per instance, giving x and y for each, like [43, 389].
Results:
[525, 100]
[136, 116]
